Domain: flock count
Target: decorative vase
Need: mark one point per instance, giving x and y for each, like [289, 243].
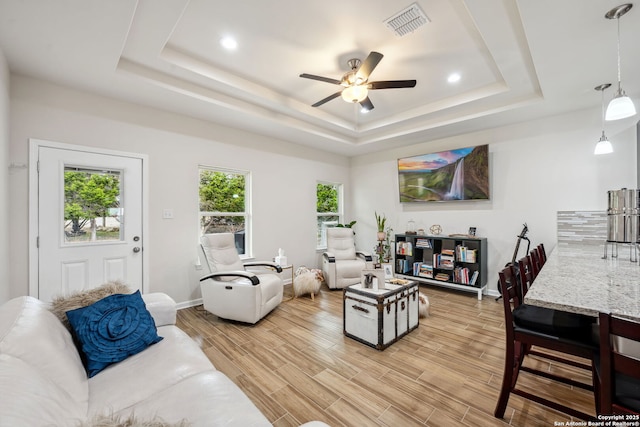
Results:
[382, 235]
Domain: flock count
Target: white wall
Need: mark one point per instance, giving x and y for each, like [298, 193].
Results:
[4, 179]
[536, 169]
[284, 177]
[638, 153]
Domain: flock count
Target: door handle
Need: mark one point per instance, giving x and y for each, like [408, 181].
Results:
[136, 249]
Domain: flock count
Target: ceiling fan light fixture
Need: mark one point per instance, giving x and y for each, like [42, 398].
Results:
[349, 79]
[355, 93]
[356, 82]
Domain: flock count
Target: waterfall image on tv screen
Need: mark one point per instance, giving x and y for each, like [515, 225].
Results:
[461, 174]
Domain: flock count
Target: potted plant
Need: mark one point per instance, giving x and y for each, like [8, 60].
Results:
[383, 247]
[381, 221]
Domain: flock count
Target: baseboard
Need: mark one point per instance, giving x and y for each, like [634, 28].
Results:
[187, 304]
[493, 293]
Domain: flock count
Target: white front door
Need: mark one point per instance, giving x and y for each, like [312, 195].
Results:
[89, 220]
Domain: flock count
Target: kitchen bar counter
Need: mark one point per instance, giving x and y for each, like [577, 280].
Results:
[576, 279]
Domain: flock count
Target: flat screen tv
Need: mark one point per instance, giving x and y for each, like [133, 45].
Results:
[461, 174]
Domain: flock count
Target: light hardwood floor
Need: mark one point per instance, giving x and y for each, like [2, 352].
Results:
[296, 366]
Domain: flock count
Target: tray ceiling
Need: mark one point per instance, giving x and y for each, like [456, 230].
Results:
[517, 60]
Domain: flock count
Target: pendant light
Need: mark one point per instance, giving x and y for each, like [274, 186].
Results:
[621, 106]
[603, 146]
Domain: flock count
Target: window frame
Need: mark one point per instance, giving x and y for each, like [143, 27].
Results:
[340, 211]
[247, 214]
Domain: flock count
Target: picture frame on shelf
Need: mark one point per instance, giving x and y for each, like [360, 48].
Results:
[472, 231]
[388, 271]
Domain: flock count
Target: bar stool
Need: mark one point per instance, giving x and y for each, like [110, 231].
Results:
[526, 274]
[619, 371]
[542, 253]
[536, 263]
[530, 327]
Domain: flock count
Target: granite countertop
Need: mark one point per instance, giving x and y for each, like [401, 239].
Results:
[575, 278]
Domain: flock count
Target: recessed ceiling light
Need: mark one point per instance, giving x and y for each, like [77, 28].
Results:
[364, 110]
[454, 77]
[229, 43]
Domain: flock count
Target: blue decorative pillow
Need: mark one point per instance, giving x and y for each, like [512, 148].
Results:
[112, 329]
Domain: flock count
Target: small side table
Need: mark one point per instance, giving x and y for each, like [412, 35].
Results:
[286, 282]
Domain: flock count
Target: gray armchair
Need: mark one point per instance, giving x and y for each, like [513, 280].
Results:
[231, 289]
[342, 265]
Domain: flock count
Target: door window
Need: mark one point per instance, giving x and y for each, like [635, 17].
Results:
[92, 206]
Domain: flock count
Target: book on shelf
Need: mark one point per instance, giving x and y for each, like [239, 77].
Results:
[471, 255]
[402, 266]
[423, 243]
[443, 277]
[446, 263]
[416, 268]
[425, 270]
[443, 260]
[461, 275]
[474, 277]
[404, 248]
[464, 254]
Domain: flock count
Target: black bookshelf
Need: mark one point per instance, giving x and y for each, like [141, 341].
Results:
[457, 262]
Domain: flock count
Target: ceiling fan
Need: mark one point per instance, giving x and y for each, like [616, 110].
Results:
[356, 82]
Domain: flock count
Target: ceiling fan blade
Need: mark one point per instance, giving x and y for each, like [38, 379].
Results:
[368, 65]
[392, 84]
[322, 79]
[367, 104]
[327, 99]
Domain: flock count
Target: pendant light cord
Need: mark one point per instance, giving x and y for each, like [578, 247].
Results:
[602, 104]
[619, 78]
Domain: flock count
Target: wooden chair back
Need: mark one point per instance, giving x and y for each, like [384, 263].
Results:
[511, 294]
[535, 261]
[526, 274]
[542, 253]
[617, 367]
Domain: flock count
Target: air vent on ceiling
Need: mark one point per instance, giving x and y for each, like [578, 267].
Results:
[407, 21]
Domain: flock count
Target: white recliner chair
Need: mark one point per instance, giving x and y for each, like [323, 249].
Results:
[233, 290]
[342, 265]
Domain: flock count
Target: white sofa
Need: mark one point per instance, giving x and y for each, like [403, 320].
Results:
[43, 381]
